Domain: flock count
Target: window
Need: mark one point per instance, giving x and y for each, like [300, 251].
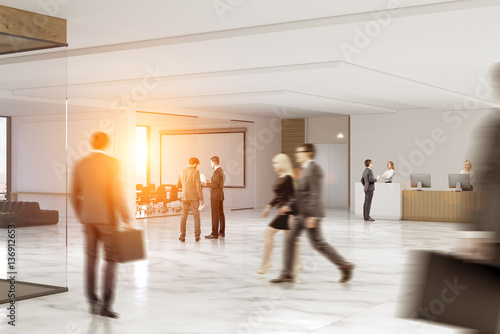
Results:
[142, 155]
[4, 157]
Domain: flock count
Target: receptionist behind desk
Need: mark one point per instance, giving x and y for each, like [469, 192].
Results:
[389, 173]
[468, 170]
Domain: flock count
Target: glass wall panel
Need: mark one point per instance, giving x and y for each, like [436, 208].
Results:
[34, 225]
[4, 122]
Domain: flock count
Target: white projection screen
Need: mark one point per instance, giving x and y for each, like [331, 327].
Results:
[228, 144]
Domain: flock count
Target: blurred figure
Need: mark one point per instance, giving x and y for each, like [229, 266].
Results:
[216, 185]
[190, 182]
[309, 209]
[368, 180]
[468, 170]
[487, 180]
[389, 173]
[97, 197]
[284, 191]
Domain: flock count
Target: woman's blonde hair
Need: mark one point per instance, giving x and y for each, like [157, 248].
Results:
[285, 166]
[468, 162]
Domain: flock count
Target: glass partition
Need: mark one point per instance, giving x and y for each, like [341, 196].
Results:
[33, 221]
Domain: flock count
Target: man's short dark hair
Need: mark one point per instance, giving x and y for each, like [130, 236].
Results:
[193, 161]
[367, 162]
[215, 159]
[307, 147]
[100, 140]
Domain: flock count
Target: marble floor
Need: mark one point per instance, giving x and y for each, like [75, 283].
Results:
[212, 286]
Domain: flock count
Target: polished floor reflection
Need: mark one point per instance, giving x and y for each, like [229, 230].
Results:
[212, 286]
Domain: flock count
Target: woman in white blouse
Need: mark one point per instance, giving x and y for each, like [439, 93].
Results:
[389, 173]
[468, 170]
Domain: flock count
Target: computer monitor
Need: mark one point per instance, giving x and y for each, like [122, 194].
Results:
[459, 181]
[420, 180]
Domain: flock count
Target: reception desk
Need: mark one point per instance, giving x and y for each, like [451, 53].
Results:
[439, 206]
[386, 202]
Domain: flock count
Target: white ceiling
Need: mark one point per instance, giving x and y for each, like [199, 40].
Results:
[284, 58]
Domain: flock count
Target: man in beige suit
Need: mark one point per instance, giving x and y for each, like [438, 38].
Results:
[98, 200]
[189, 181]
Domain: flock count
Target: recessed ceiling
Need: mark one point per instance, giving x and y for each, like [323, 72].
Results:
[315, 61]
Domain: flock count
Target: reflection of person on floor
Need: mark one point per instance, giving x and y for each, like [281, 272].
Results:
[284, 192]
[216, 185]
[190, 182]
[99, 202]
[308, 206]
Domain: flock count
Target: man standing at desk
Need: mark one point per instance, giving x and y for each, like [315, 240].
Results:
[368, 181]
[216, 185]
[189, 181]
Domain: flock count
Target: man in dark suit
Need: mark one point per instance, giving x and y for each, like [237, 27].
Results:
[189, 181]
[216, 185]
[368, 181]
[308, 209]
[97, 197]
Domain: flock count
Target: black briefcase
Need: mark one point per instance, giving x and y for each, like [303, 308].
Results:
[457, 292]
[130, 245]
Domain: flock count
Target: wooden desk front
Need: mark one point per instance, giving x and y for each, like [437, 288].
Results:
[439, 206]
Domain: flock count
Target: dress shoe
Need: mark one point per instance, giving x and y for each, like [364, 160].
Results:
[182, 239]
[369, 220]
[94, 308]
[106, 312]
[222, 235]
[197, 239]
[263, 269]
[210, 236]
[282, 279]
[346, 272]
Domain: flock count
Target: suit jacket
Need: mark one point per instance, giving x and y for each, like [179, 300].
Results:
[308, 201]
[97, 193]
[217, 185]
[189, 181]
[368, 180]
[487, 160]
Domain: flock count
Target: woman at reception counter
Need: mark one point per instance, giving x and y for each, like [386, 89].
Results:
[389, 173]
[468, 170]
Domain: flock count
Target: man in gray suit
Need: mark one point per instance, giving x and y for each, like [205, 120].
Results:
[368, 181]
[98, 200]
[308, 209]
[189, 181]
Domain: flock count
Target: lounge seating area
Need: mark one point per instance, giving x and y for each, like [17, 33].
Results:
[25, 214]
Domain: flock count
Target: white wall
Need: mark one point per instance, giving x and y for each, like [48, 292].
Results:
[426, 141]
[41, 164]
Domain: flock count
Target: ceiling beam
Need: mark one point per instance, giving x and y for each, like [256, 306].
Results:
[22, 31]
